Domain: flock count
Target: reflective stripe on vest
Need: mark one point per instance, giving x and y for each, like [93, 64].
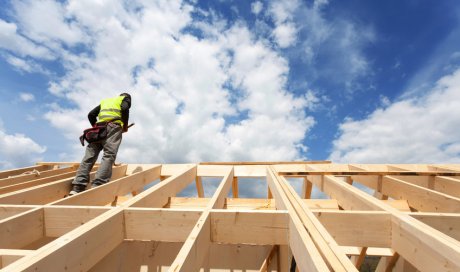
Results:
[111, 110]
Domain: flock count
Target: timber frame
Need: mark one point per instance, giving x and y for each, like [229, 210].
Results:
[406, 216]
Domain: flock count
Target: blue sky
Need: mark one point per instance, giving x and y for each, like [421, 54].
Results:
[348, 81]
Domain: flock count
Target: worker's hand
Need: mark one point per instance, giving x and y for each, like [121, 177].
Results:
[125, 128]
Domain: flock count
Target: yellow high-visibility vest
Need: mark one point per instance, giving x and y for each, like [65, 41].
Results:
[111, 110]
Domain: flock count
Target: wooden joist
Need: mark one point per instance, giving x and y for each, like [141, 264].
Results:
[133, 224]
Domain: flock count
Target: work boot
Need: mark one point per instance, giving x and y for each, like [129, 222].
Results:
[76, 189]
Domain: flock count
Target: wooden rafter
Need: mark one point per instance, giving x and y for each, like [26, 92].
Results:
[139, 211]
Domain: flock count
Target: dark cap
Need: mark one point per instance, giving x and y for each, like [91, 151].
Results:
[127, 98]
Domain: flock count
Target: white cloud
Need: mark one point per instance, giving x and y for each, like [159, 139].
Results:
[221, 97]
[285, 34]
[25, 65]
[412, 130]
[282, 12]
[47, 22]
[257, 7]
[338, 41]
[18, 150]
[14, 42]
[26, 97]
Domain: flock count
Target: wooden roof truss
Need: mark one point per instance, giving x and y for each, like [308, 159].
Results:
[408, 215]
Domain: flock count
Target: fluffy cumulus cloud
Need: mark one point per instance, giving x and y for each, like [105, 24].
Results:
[18, 150]
[282, 12]
[412, 130]
[217, 96]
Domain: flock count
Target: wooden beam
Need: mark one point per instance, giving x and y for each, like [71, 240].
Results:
[44, 194]
[30, 177]
[11, 210]
[196, 248]
[447, 185]
[77, 250]
[159, 224]
[22, 229]
[300, 242]
[9, 256]
[340, 191]
[307, 187]
[104, 194]
[327, 246]
[418, 197]
[357, 228]
[447, 223]
[235, 187]
[268, 260]
[157, 196]
[16, 186]
[21, 171]
[360, 259]
[248, 227]
[61, 220]
[423, 246]
[199, 186]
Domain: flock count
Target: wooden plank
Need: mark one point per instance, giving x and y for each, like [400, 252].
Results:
[371, 251]
[158, 195]
[300, 242]
[423, 246]
[187, 202]
[340, 191]
[268, 260]
[418, 197]
[264, 163]
[11, 210]
[199, 186]
[327, 246]
[174, 169]
[35, 182]
[30, 177]
[104, 194]
[360, 258]
[20, 171]
[159, 224]
[212, 170]
[447, 223]
[44, 194]
[400, 205]
[357, 228]
[307, 187]
[9, 256]
[79, 249]
[249, 171]
[235, 187]
[247, 227]
[60, 220]
[447, 185]
[196, 248]
[21, 230]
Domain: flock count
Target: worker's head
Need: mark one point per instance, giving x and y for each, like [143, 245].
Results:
[127, 98]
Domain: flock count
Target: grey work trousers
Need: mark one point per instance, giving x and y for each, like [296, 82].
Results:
[104, 173]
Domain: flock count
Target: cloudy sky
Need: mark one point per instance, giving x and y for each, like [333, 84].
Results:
[350, 81]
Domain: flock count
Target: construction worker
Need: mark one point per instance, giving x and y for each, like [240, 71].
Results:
[114, 113]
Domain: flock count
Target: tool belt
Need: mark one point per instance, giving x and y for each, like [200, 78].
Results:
[95, 134]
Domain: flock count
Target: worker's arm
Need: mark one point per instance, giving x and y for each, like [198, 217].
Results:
[125, 105]
[92, 115]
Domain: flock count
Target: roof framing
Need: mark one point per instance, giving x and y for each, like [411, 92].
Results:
[407, 214]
